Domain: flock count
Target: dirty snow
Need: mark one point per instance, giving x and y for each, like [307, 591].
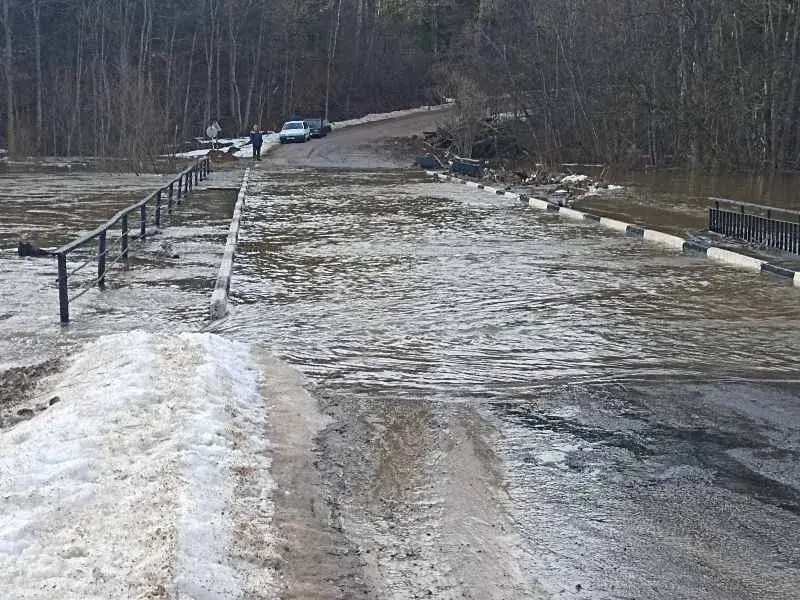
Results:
[575, 178]
[242, 145]
[372, 118]
[125, 487]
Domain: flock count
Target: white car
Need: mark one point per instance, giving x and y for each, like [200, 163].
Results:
[295, 131]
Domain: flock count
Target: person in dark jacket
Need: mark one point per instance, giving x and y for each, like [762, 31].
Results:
[256, 140]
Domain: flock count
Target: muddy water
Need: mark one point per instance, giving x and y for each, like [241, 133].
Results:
[521, 406]
[645, 402]
[677, 202]
[165, 285]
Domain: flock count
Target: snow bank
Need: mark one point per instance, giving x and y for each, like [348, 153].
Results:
[372, 118]
[126, 487]
[574, 178]
[242, 148]
[270, 140]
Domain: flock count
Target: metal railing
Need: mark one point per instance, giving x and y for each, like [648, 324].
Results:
[148, 212]
[766, 226]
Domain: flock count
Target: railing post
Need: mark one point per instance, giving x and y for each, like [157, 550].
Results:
[63, 296]
[783, 235]
[143, 225]
[171, 191]
[125, 238]
[742, 230]
[180, 187]
[101, 259]
[795, 247]
[158, 208]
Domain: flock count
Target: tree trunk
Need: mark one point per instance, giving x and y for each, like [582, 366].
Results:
[8, 64]
[37, 28]
[255, 68]
[331, 55]
[188, 95]
[234, 94]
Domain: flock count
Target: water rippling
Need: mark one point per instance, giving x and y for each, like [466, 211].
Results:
[416, 287]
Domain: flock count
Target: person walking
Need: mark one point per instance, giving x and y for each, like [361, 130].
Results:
[256, 140]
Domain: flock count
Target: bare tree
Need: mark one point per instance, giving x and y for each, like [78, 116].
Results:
[8, 70]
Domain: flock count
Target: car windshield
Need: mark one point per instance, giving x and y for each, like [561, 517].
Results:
[293, 125]
[314, 122]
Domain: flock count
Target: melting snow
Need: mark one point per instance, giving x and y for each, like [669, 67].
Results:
[125, 488]
[575, 178]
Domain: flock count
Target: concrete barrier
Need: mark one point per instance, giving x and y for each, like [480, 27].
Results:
[665, 239]
[614, 224]
[570, 213]
[734, 258]
[538, 204]
[219, 298]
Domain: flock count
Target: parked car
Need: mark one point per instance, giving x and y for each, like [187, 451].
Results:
[317, 127]
[294, 131]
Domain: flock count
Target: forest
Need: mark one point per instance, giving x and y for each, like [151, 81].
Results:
[711, 84]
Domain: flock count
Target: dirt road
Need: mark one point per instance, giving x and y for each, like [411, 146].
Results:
[368, 146]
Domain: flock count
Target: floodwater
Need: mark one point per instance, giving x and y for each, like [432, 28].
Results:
[523, 406]
[677, 202]
[166, 283]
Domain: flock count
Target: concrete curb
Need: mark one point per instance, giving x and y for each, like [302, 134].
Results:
[720, 255]
[219, 298]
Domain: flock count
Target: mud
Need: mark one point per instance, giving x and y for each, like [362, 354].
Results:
[421, 491]
[18, 387]
[312, 556]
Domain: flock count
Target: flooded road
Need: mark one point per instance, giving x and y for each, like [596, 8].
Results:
[632, 412]
[503, 404]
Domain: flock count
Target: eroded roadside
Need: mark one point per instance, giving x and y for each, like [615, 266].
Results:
[382, 499]
[417, 489]
[312, 557]
[18, 386]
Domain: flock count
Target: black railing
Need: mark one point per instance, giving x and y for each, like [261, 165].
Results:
[169, 194]
[766, 226]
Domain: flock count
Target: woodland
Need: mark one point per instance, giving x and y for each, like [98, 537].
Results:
[697, 83]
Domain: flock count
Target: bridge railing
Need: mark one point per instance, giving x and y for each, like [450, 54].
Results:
[131, 223]
[767, 226]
